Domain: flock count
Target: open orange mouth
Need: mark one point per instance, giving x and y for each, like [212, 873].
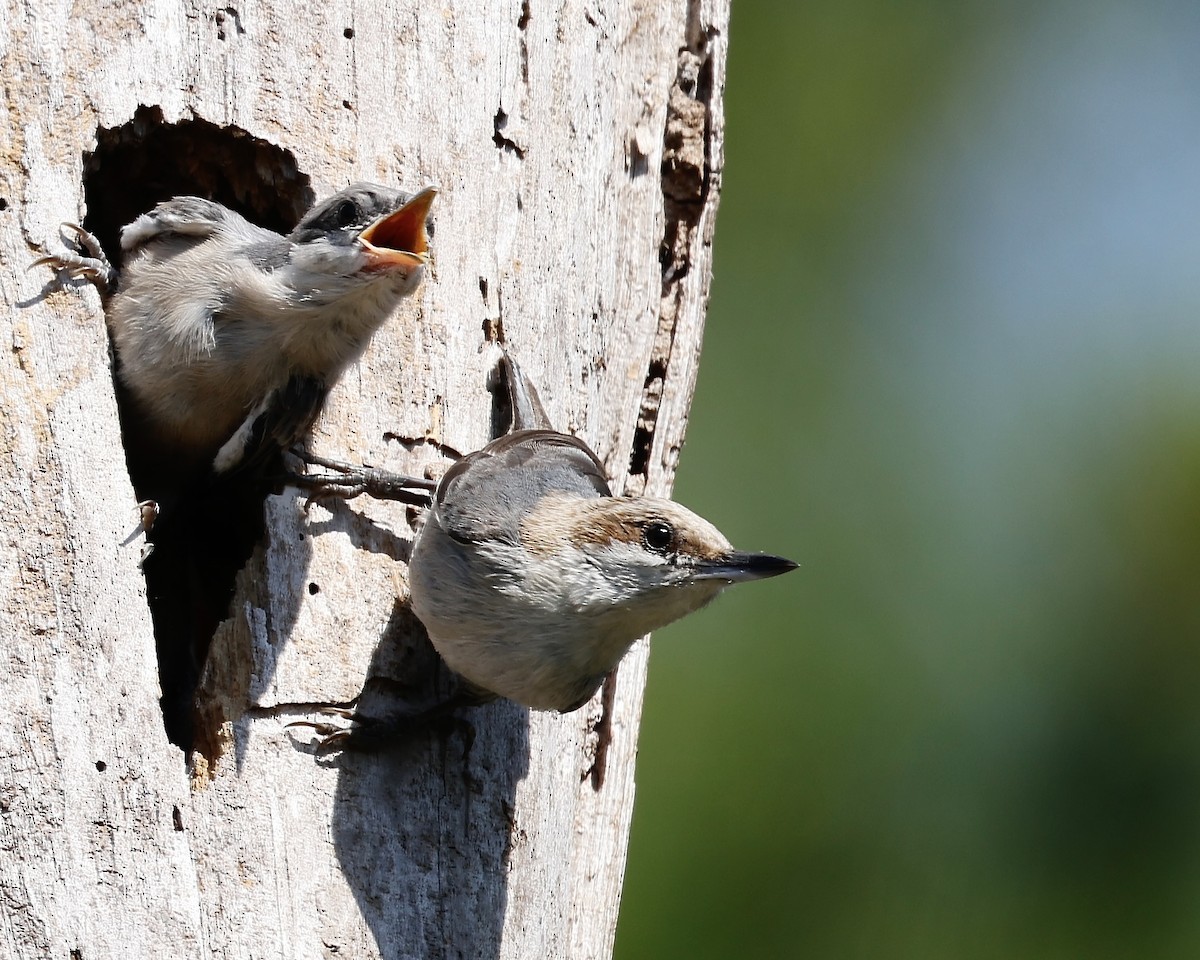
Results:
[399, 239]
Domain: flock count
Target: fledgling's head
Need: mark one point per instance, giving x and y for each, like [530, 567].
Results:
[360, 235]
[648, 560]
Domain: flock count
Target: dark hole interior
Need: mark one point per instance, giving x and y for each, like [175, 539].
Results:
[147, 160]
[199, 547]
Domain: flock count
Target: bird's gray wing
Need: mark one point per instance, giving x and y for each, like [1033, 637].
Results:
[181, 218]
[485, 495]
[280, 421]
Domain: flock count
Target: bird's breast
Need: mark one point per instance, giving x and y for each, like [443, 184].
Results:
[532, 633]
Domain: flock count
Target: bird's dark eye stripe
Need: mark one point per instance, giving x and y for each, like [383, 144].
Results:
[658, 535]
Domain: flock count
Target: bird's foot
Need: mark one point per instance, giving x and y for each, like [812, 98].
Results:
[344, 728]
[148, 511]
[89, 264]
[344, 481]
[333, 730]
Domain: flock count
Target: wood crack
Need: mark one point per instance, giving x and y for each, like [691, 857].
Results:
[688, 179]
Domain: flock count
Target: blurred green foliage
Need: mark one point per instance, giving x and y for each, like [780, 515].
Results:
[952, 367]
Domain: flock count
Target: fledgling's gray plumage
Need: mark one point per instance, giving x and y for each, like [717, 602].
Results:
[533, 580]
[214, 315]
[217, 322]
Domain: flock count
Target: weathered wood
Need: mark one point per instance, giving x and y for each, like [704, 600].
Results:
[578, 150]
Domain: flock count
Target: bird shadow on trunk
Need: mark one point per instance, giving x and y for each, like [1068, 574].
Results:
[423, 825]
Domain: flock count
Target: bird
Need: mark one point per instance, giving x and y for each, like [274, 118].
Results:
[226, 339]
[533, 579]
[228, 336]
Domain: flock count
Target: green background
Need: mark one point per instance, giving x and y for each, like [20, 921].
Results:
[952, 367]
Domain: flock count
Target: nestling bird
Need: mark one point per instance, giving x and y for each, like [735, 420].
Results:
[228, 335]
[533, 580]
[227, 338]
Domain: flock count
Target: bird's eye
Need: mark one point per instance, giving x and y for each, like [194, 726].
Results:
[346, 213]
[658, 535]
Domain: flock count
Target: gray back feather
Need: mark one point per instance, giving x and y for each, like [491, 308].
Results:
[182, 217]
[485, 494]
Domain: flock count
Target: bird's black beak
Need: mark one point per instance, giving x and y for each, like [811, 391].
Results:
[399, 239]
[736, 566]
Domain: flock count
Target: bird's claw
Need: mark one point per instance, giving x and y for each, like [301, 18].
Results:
[87, 240]
[94, 267]
[333, 732]
[148, 511]
[345, 481]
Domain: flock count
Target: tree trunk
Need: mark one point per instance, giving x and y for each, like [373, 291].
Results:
[578, 152]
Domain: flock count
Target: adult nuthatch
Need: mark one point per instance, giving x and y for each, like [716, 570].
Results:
[227, 338]
[533, 580]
